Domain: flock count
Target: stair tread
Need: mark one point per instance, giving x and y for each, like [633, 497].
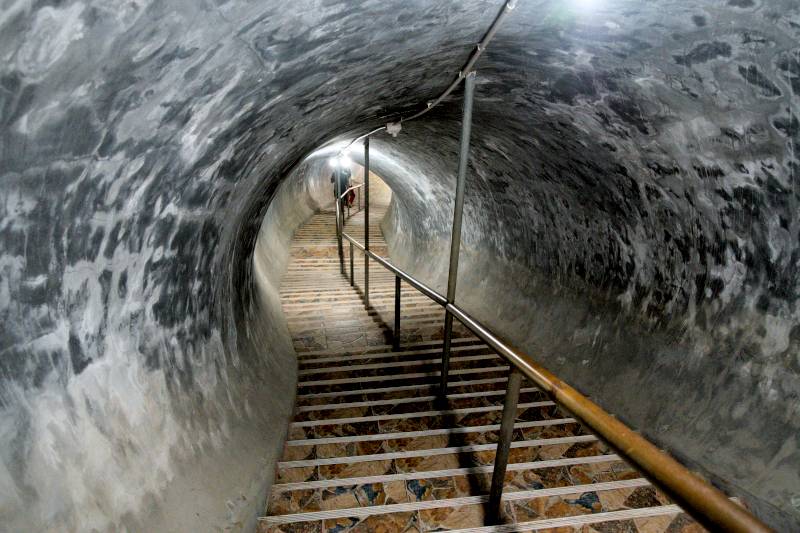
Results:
[429, 452]
[455, 502]
[433, 474]
[411, 399]
[409, 435]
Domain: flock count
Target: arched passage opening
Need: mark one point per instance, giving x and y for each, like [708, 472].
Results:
[633, 176]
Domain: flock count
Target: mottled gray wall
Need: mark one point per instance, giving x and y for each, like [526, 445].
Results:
[632, 220]
[638, 158]
[306, 190]
[140, 145]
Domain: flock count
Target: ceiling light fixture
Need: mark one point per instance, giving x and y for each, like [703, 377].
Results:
[340, 161]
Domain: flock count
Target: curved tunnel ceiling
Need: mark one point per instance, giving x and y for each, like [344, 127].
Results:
[642, 153]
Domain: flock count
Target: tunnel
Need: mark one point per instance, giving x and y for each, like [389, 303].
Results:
[630, 221]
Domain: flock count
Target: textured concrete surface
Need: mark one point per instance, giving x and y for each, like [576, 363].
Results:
[632, 221]
[634, 169]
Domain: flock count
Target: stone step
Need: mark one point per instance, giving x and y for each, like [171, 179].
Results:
[458, 502]
[411, 403]
[409, 355]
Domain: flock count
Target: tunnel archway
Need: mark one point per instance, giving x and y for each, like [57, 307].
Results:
[634, 167]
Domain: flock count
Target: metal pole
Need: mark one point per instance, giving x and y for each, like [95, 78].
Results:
[494, 514]
[338, 208]
[352, 279]
[359, 199]
[396, 339]
[366, 222]
[708, 505]
[458, 212]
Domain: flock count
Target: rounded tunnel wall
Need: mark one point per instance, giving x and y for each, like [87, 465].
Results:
[631, 220]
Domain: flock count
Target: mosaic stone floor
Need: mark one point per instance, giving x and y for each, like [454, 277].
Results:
[370, 450]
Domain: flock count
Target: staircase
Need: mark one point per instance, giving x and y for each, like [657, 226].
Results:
[371, 448]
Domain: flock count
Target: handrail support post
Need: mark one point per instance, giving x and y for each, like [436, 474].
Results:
[458, 214]
[396, 338]
[448, 334]
[339, 218]
[494, 512]
[352, 278]
[366, 223]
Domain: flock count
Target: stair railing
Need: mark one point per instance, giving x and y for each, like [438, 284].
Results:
[340, 220]
[708, 505]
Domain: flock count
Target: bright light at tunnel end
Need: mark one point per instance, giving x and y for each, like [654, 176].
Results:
[340, 161]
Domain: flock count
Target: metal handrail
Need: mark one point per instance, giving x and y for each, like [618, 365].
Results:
[341, 197]
[354, 187]
[414, 282]
[704, 502]
[340, 220]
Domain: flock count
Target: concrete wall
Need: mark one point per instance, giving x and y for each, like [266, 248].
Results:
[144, 385]
[675, 311]
[639, 157]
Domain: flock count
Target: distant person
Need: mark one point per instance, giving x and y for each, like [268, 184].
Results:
[343, 174]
